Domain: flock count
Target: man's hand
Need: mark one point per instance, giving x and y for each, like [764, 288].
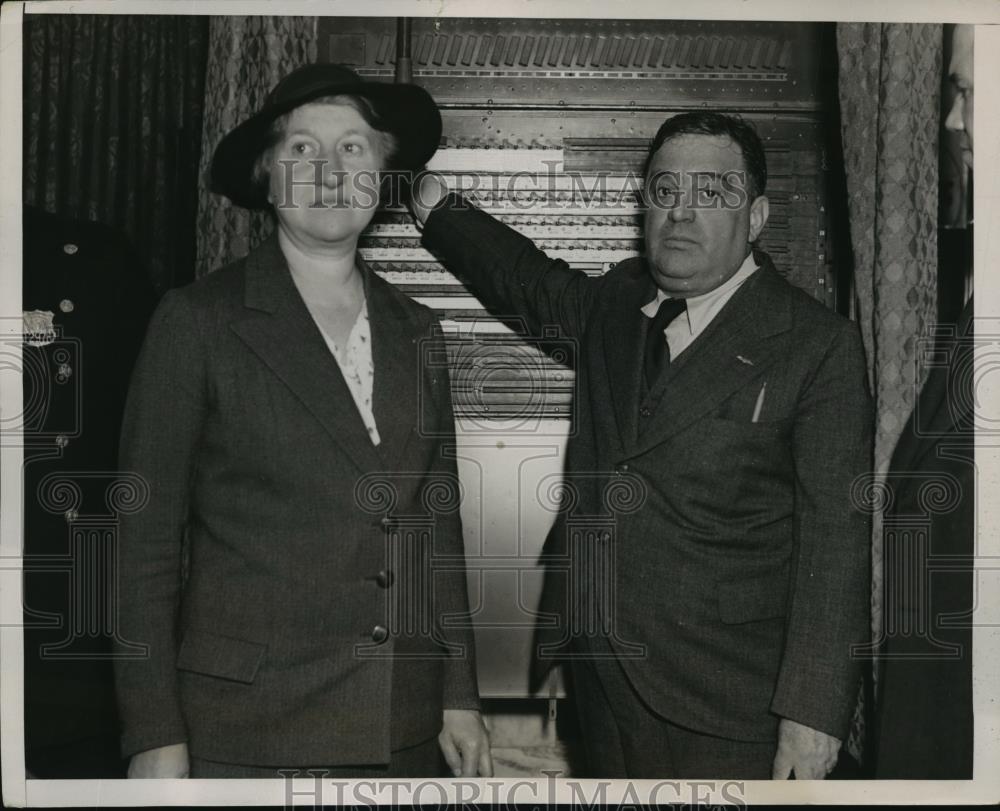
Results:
[807, 752]
[425, 196]
[165, 761]
[466, 744]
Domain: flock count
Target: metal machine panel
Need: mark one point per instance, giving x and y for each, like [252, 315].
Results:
[546, 125]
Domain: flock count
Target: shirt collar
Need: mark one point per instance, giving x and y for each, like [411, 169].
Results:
[700, 307]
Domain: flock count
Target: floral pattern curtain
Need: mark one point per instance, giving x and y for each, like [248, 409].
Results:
[246, 58]
[112, 127]
[889, 88]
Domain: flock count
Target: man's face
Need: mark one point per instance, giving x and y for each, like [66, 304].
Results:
[960, 74]
[699, 219]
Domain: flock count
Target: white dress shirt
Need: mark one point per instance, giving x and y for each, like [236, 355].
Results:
[357, 365]
[682, 331]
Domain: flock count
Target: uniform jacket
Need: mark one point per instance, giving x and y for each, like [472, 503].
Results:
[303, 543]
[721, 556]
[84, 278]
[925, 721]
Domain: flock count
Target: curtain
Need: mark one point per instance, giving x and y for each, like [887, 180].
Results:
[889, 90]
[112, 127]
[246, 58]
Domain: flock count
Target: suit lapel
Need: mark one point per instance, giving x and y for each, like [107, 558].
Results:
[624, 340]
[281, 331]
[396, 348]
[724, 358]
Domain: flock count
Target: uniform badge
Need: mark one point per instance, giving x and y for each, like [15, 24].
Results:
[38, 327]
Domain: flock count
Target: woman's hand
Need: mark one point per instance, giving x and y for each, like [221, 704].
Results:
[803, 751]
[426, 194]
[466, 744]
[164, 761]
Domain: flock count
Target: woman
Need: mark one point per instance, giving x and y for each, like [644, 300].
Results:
[274, 404]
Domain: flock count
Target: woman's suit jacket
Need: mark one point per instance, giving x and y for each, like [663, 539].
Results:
[303, 543]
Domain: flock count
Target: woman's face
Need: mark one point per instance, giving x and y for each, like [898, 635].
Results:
[324, 175]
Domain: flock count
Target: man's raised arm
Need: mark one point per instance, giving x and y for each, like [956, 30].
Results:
[501, 267]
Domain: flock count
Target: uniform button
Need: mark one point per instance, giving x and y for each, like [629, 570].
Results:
[62, 441]
[606, 536]
[622, 469]
[66, 305]
[379, 634]
[71, 516]
[70, 248]
[387, 523]
[645, 412]
[385, 578]
[64, 371]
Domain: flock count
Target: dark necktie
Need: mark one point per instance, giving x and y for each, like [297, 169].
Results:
[657, 350]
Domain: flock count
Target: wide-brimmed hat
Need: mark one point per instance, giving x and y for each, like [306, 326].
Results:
[408, 111]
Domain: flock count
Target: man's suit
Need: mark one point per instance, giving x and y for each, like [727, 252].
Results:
[925, 722]
[302, 538]
[740, 570]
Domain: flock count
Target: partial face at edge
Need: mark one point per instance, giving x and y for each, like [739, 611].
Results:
[960, 73]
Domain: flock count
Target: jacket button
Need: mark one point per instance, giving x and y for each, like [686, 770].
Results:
[606, 536]
[71, 516]
[379, 634]
[387, 523]
[645, 412]
[385, 578]
[620, 469]
[62, 441]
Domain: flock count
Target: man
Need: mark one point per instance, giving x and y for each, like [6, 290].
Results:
[925, 720]
[86, 305]
[739, 583]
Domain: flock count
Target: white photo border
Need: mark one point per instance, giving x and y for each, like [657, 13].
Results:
[19, 791]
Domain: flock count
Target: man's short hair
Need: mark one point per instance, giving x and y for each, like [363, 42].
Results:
[705, 122]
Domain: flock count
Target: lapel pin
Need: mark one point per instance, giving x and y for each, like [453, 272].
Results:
[742, 359]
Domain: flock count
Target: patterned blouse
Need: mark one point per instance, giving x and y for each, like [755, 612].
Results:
[358, 368]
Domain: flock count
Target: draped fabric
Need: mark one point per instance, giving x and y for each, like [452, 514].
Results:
[246, 58]
[112, 124]
[889, 89]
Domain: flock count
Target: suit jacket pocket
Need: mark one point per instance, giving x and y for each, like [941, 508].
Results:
[726, 426]
[753, 599]
[224, 657]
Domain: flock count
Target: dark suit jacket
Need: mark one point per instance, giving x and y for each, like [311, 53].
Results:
[925, 722]
[301, 536]
[736, 572]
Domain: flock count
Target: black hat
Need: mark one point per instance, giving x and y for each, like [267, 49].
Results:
[408, 111]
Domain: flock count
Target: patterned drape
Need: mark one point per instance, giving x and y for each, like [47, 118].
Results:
[246, 58]
[889, 88]
[112, 128]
